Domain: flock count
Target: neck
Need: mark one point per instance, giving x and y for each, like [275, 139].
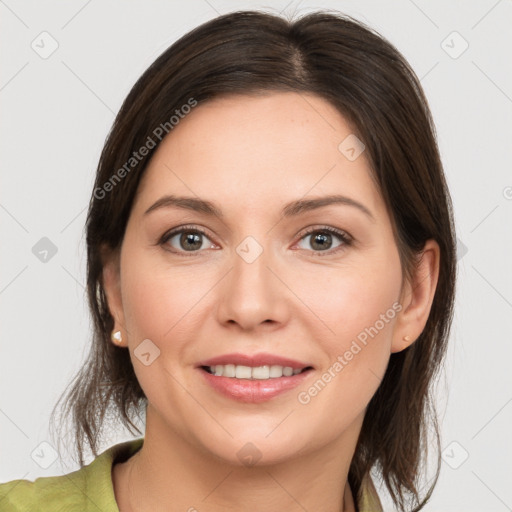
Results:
[174, 475]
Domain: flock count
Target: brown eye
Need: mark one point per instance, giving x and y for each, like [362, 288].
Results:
[186, 240]
[324, 240]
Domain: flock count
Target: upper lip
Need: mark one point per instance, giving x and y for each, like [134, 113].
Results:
[261, 359]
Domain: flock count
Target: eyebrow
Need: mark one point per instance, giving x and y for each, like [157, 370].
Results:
[291, 209]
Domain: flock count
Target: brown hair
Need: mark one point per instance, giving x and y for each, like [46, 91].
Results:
[371, 84]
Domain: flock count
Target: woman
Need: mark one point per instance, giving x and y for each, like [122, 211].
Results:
[271, 275]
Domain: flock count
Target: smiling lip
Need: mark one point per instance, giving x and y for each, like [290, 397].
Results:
[253, 391]
[254, 360]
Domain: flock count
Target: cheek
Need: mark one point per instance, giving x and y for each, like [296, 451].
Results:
[159, 300]
[346, 300]
[361, 310]
[360, 307]
[159, 304]
[355, 310]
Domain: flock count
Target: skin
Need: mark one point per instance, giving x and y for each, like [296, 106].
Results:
[251, 155]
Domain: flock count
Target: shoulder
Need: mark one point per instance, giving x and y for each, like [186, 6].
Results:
[87, 489]
[369, 500]
[47, 492]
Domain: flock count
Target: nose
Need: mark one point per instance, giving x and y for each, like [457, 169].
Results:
[252, 292]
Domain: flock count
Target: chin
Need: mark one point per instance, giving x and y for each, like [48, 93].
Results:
[257, 447]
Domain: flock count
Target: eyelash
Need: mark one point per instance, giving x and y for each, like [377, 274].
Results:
[344, 237]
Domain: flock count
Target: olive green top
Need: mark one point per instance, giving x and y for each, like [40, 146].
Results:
[90, 488]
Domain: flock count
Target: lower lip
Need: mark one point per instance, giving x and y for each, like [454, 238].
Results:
[252, 390]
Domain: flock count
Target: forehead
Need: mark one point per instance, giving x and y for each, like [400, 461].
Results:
[259, 148]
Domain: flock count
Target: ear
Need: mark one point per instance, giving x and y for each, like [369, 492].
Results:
[111, 281]
[417, 297]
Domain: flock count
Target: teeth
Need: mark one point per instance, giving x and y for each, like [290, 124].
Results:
[276, 371]
[255, 373]
[228, 370]
[260, 372]
[287, 371]
[243, 372]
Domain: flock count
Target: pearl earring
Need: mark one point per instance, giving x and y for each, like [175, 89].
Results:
[116, 337]
[407, 338]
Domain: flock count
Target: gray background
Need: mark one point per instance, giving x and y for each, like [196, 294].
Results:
[56, 112]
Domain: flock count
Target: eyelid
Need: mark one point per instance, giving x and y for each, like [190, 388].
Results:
[319, 227]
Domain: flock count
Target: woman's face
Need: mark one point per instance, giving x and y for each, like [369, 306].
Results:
[264, 283]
